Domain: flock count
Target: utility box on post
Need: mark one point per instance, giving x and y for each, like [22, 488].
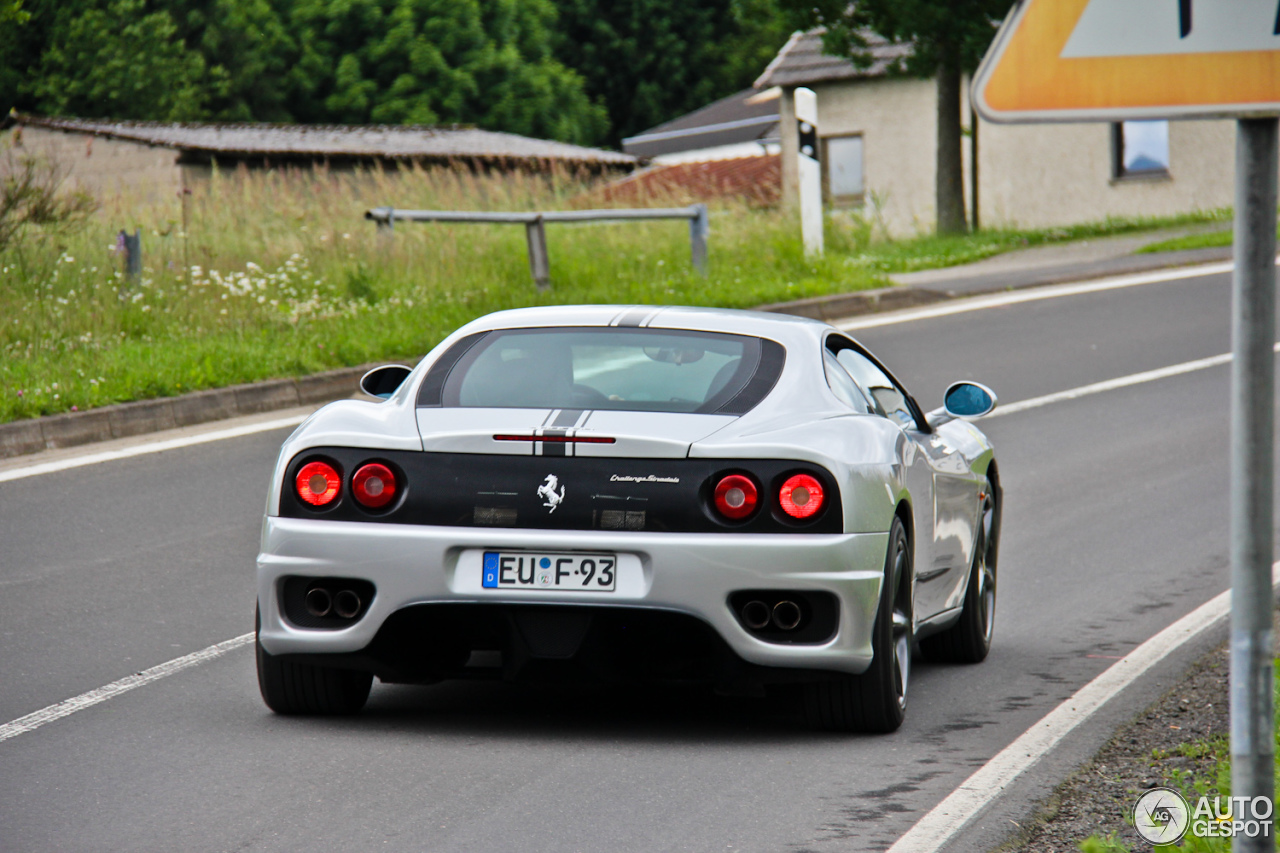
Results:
[809, 170]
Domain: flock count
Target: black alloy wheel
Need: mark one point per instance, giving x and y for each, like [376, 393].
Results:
[875, 701]
[301, 688]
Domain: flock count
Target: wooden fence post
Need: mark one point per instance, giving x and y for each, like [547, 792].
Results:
[536, 232]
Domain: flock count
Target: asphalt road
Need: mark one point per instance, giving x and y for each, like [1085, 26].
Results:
[1115, 526]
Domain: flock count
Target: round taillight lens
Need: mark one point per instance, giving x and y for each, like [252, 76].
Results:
[373, 485]
[736, 497]
[801, 496]
[318, 483]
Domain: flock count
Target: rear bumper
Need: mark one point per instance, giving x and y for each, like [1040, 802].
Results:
[686, 573]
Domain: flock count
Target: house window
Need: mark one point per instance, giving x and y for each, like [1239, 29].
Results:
[842, 169]
[1141, 149]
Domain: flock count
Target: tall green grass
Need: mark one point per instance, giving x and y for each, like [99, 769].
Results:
[259, 274]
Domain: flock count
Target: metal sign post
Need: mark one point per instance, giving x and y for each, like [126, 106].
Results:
[1119, 60]
[1253, 331]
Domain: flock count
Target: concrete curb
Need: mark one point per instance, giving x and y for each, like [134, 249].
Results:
[127, 419]
[852, 304]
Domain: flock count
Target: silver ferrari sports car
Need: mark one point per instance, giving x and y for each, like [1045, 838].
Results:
[742, 499]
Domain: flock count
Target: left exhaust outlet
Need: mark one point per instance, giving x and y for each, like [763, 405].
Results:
[319, 602]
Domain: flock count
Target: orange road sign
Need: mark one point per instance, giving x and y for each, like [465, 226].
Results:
[1106, 60]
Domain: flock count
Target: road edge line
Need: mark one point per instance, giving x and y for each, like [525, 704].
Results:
[67, 707]
[945, 820]
[964, 304]
[148, 447]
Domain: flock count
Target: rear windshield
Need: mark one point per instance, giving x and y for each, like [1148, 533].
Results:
[618, 368]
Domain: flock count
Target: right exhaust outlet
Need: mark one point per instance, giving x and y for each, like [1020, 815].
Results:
[346, 604]
[786, 615]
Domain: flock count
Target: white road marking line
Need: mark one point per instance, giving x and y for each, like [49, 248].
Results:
[152, 447]
[1119, 382]
[1033, 294]
[65, 708]
[951, 815]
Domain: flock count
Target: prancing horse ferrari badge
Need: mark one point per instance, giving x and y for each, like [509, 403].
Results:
[547, 491]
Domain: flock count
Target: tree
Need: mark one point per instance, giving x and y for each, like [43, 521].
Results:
[11, 12]
[645, 60]
[248, 53]
[487, 62]
[948, 38]
[119, 60]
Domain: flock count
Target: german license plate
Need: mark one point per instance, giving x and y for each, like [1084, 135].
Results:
[541, 570]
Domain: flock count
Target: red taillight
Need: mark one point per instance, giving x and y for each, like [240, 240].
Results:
[801, 496]
[736, 496]
[318, 483]
[373, 485]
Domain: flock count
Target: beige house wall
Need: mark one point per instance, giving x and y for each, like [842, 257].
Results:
[100, 165]
[897, 119]
[1042, 175]
[1030, 176]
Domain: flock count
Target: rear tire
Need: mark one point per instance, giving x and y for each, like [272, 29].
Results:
[969, 640]
[301, 688]
[875, 701]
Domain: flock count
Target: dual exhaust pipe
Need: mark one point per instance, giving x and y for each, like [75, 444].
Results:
[344, 603]
[785, 615]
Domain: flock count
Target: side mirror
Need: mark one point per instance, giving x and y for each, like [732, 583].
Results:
[383, 381]
[963, 400]
[968, 400]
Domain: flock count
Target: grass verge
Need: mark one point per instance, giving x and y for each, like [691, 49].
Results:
[1214, 755]
[254, 275]
[1209, 240]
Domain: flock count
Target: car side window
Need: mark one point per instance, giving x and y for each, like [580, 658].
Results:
[886, 397]
[843, 386]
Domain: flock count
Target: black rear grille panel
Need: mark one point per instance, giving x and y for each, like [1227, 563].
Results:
[502, 491]
[428, 642]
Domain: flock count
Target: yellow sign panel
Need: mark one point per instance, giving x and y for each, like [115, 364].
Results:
[1081, 60]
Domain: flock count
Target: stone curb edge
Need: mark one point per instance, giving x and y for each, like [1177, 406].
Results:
[840, 305]
[19, 438]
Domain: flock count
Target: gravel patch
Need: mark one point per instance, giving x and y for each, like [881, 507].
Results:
[1100, 795]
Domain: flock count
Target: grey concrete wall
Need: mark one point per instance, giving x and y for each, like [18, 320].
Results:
[100, 165]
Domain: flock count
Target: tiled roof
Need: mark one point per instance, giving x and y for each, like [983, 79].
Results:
[758, 180]
[801, 61]
[744, 116]
[336, 141]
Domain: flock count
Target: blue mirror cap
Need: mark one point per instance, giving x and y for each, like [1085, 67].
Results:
[968, 400]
